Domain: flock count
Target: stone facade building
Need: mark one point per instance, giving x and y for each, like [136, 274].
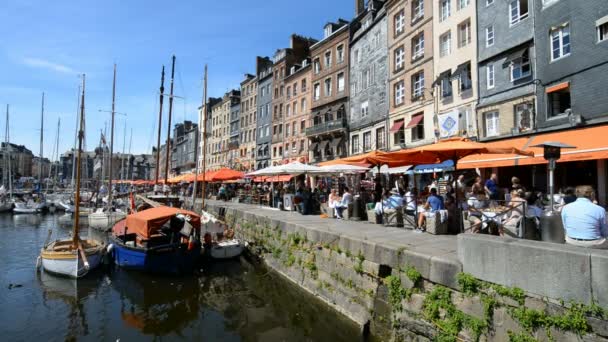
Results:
[211, 102]
[327, 130]
[185, 138]
[455, 67]
[505, 55]
[298, 99]
[234, 161]
[264, 120]
[369, 102]
[249, 105]
[283, 61]
[21, 159]
[219, 141]
[410, 41]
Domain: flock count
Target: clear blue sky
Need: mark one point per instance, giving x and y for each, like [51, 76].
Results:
[45, 45]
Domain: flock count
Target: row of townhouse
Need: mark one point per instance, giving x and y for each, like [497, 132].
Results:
[402, 74]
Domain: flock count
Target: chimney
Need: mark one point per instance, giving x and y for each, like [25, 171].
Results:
[359, 7]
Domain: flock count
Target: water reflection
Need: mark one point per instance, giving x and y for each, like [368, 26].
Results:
[30, 220]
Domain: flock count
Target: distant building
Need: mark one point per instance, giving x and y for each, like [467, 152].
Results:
[87, 164]
[205, 143]
[299, 98]
[36, 165]
[264, 120]
[234, 161]
[21, 160]
[249, 105]
[183, 157]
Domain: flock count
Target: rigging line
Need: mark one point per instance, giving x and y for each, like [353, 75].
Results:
[183, 89]
[152, 133]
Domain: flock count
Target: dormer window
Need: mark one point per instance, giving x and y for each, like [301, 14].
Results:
[328, 30]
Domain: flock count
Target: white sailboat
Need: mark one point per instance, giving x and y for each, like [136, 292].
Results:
[73, 257]
[6, 199]
[105, 218]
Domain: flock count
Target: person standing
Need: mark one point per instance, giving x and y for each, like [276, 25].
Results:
[585, 222]
[491, 187]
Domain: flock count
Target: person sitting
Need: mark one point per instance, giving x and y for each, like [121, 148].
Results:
[433, 203]
[333, 200]
[410, 202]
[511, 224]
[380, 206]
[569, 195]
[393, 202]
[585, 222]
[347, 198]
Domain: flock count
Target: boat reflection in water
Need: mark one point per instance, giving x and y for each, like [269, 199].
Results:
[28, 220]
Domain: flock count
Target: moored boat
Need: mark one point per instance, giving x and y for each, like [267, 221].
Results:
[103, 219]
[157, 240]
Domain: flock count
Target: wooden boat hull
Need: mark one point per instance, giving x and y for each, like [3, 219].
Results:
[103, 221]
[227, 249]
[163, 259]
[67, 262]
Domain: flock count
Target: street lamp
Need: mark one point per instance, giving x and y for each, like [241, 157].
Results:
[552, 153]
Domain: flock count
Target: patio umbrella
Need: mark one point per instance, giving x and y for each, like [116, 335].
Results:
[370, 158]
[224, 174]
[293, 168]
[340, 168]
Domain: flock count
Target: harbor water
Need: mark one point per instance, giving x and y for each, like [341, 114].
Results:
[230, 301]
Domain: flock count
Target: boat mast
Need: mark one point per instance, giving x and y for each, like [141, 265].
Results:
[75, 140]
[205, 112]
[8, 151]
[204, 100]
[75, 237]
[130, 142]
[112, 139]
[56, 152]
[122, 157]
[41, 144]
[167, 148]
[160, 124]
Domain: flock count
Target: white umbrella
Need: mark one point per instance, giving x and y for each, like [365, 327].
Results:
[294, 168]
[340, 168]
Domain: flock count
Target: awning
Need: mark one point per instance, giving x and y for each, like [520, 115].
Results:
[557, 87]
[323, 144]
[462, 67]
[588, 147]
[335, 142]
[601, 21]
[415, 120]
[513, 56]
[447, 165]
[397, 126]
[262, 179]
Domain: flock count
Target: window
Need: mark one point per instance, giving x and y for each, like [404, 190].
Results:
[446, 86]
[417, 10]
[295, 108]
[602, 32]
[355, 144]
[365, 77]
[328, 87]
[418, 46]
[340, 82]
[520, 67]
[399, 22]
[380, 138]
[462, 4]
[327, 31]
[288, 109]
[558, 102]
[287, 130]
[399, 58]
[263, 93]
[491, 124]
[317, 66]
[303, 105]
[288, 92]
[399, 92]
[357, 56]
[489, 2]
[490, 76]
[417, 84]
[302, 125]
[303, 85]
[445, 42]
[295, 89]
[316, 91]
[523, 116]
[399, 135]
[364, 108]
[518, 10]
[560, 42]
[302, 145]
[444, 10]
[340, 53]
[464, 33]
[418, 130]
[367, 141]
[489, 35]
[281, 90]
[295, 128]
[465, 78]
[328, 59]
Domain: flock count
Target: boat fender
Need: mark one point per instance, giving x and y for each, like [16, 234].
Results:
[110, 248]
[38, 262]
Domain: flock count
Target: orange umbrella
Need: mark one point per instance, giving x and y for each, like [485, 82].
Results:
[371, 158]
[448, 149]
[225, 174]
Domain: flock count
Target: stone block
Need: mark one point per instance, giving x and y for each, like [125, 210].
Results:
[420, 261]
[503, 323]
[470, 306]
[535, 304]
[594, 338]
[414, 304]
[598, 326]
[599, 277]
[444, 270]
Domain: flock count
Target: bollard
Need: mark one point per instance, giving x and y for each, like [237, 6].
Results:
[552, 227]
[356, 215]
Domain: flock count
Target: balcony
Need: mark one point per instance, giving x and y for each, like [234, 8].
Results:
[277, 138]
[326, 127]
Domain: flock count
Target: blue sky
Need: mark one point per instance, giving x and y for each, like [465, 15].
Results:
[45, 45]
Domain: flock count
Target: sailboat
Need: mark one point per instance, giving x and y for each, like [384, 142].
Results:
[105, 218]
[73, 257]
[6, 201]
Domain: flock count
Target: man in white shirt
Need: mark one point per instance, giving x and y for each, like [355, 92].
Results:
[347, 198]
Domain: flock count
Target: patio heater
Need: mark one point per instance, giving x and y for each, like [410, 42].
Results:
[551, 221]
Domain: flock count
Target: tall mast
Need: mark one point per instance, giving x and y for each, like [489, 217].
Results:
[8, 151]
[112, 139]
[205, 113]
[167, 149]
[160, 124]
[57, 150]
[200, 129]
[75, 139]
[41, 144]
[122, 157]
[130, 142]
[75, 237]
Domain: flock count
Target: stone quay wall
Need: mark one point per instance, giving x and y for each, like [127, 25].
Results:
[402, 286]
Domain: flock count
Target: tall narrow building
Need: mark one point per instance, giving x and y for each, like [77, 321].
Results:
[298, 99]
[412, 100]
[327, 129]
[369, 63]
[249, 105]
[264, 120]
